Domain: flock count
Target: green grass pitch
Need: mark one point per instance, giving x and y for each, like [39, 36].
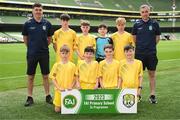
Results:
[13, 88]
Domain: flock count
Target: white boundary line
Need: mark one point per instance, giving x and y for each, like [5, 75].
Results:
[12, 77]
[15, 62]
[19, 62]
[20, 76]
[168, 60]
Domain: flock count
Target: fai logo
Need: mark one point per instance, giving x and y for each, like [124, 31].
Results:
[150, 27]
[70, 101]
[44, 27]
[128, 100]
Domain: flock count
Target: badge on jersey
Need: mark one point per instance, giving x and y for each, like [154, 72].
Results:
[150, 27]
[44, 27]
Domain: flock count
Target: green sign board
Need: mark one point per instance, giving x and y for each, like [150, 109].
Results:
[99, 101]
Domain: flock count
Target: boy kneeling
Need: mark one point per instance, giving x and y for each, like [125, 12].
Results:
[62, 75]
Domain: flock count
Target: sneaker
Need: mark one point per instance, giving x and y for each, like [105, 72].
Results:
[29, 101]
[152, 99]
[139, 98]
[49, 99]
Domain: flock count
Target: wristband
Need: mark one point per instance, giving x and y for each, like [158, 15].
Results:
[140, 87]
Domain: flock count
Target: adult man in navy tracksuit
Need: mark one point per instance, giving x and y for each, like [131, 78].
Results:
[146, 34]
[37, 36]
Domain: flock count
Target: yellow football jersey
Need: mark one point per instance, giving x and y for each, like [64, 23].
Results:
[109, 73]
[84, 41]
[119, 42]
[61, 37]
[130, 73]
[88, 73]
[63, 73]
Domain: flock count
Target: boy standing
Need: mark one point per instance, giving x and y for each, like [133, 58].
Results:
[87, 70]
[120, 39]
[64, 35]
[108, 69]
[101, 41]
[84, 40]
[62, 75]
[130, 71]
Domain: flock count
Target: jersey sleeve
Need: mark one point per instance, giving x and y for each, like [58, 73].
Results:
[77, 69]
[120, 73]
[134, 29]
[75, 41]
[54, 37]
[157, 28]
[97, 69]
[131, 40]
[74, 69]
[100, 70]
[50, 32]
[76, 44]
[110, 41]
[25, 29]
[53, 72]
[141, 69]
[94, 42]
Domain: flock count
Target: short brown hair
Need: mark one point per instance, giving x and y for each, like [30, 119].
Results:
[85, 23]
[64, 48]
[37, 5]
[103, 26]
[89, 49]
[128, 47]
[109, 46]
[65, 17]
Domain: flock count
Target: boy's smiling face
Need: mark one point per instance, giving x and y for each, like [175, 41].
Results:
[88, 55]
[129, 53]
[108, 53]
[102, 31]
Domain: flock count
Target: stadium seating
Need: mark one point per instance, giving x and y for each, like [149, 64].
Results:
[76, 22]
[130, 5]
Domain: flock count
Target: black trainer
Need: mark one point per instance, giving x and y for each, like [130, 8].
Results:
[49, 99]
[152, 99]
[29, 101]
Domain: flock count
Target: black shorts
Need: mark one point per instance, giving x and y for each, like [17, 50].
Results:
[149, 61]
[32, 62]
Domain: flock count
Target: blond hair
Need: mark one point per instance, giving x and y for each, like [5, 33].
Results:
[120, 20]
[85, 23]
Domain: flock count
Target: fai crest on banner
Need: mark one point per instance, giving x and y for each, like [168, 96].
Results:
[128, 100]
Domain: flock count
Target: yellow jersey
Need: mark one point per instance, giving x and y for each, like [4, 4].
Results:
[129, 73]
[63, 73]
[109, 73]
[119, 42]
[87, 72]
[84, 41]
[61, 37]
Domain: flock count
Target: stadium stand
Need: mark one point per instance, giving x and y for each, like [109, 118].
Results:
[10, 37]
[130, 5]
[16, 12]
